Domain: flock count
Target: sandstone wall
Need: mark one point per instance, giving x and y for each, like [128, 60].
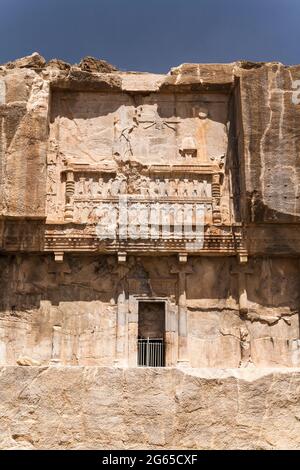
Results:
[24, 137]
[263, 119]
[106, 408]
[74, 305]
[270, 143]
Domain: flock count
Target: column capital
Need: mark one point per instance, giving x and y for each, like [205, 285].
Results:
[243, 257]
[58, 256]
[182, 257]
[122, 257]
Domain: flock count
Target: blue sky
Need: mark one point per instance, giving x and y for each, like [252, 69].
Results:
[151, 35]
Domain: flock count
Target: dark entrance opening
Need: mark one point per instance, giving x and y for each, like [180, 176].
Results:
[151, 331]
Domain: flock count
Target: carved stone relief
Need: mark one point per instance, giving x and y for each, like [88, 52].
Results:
[153, 149]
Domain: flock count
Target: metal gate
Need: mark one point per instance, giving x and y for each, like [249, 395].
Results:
[151, 352]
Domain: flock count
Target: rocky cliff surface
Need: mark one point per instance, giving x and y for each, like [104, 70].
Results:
[105, 408]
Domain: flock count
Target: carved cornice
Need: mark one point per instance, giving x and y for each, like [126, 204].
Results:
[217, 241]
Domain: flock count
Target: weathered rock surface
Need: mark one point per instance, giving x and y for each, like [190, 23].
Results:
[90, 64]
[267, 126]
[217, 145]
[271, 143]
[105, 408]
[68, 312]
[34, 61]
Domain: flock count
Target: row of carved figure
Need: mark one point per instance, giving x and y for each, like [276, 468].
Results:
[145, 187]
[109, 215]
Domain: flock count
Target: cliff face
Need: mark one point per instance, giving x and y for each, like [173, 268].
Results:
[270, 113]
[220, 143]
[24, 134]
[267, 125]
[103, 408]
[267, 122]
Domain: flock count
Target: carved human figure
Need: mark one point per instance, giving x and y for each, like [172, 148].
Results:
[143, 217]
[200, 188]
[154, 220]
[152, 188]
[144, 187]
[51, 179]
[100, 186]
[89, 187]
[171, 188]
[205, 189]
[167, 187]
[107, 221]
[157, 186]
[245, 343]
[188, 220]
[195, 188]
[175, 184]
[115, 186]
[186, 188]
[105, 188]
[84, 212]
[162, 189]
[178, 221]
[181, 188]
[133, 222]
[51, 204]
[82, 186]
[109, 187]
[166, 218]
[93, 216]
[123, 185]
[124, 125]
[94, 188]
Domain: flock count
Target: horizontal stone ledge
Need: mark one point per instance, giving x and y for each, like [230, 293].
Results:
[247, 374]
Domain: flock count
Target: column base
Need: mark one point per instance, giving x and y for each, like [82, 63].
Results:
[183, 363]
[120, 364]
[55, 362]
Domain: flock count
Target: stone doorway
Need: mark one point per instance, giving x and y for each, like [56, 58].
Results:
[151, 334]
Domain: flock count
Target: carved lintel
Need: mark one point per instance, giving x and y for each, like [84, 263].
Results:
[182, 257]
[122, 257]
[59, 256]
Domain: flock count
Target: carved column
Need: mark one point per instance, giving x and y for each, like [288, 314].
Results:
[182, 269]
[70, 190]
[121, 326]
[216, 195]
[245, 341]
[121, 358]
[182, 319]
[171, 336]
[132, 330]
[56, 345]
[242, 270]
